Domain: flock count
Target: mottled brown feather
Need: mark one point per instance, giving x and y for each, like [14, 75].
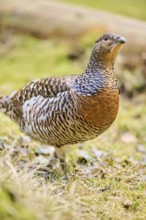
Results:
[70, 109]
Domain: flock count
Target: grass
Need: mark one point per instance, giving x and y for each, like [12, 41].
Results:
[130, 8]
[109, 185]
[31, 59]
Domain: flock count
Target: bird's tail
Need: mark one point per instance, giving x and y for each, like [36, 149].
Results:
[4, 104]
[7, 106]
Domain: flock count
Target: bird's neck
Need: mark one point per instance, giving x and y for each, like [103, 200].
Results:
[104, 66]
[96, 77]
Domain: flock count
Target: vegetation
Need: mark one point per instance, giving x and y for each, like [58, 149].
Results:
[106, 177]
[130, 8]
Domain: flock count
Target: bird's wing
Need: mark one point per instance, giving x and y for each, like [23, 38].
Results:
[46, 88]
[43, 116]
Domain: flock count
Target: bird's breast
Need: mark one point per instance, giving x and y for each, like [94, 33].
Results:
[100, 110]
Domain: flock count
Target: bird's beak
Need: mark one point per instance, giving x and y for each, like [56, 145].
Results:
[121, 40]
[116, 46]
[117, 42]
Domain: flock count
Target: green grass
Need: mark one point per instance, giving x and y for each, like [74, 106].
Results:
[131, 8]
[107, 187]
[30, 59]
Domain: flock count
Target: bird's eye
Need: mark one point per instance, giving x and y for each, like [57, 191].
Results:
[105, 38]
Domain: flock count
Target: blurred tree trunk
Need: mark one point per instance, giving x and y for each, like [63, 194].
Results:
[45, 18]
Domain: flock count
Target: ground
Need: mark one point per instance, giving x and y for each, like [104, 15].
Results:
[106, 177]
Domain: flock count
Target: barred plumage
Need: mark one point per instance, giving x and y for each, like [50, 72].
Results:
[70, 109]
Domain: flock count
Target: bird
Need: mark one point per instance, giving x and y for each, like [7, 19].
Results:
[62, 111]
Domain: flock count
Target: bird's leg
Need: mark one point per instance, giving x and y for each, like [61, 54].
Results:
[61, 156]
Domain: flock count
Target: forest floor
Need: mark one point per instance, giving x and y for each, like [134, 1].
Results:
[106, 177]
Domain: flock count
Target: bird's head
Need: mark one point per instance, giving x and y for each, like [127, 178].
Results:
[107, 47]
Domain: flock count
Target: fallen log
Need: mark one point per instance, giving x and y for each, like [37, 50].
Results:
[45, 18]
